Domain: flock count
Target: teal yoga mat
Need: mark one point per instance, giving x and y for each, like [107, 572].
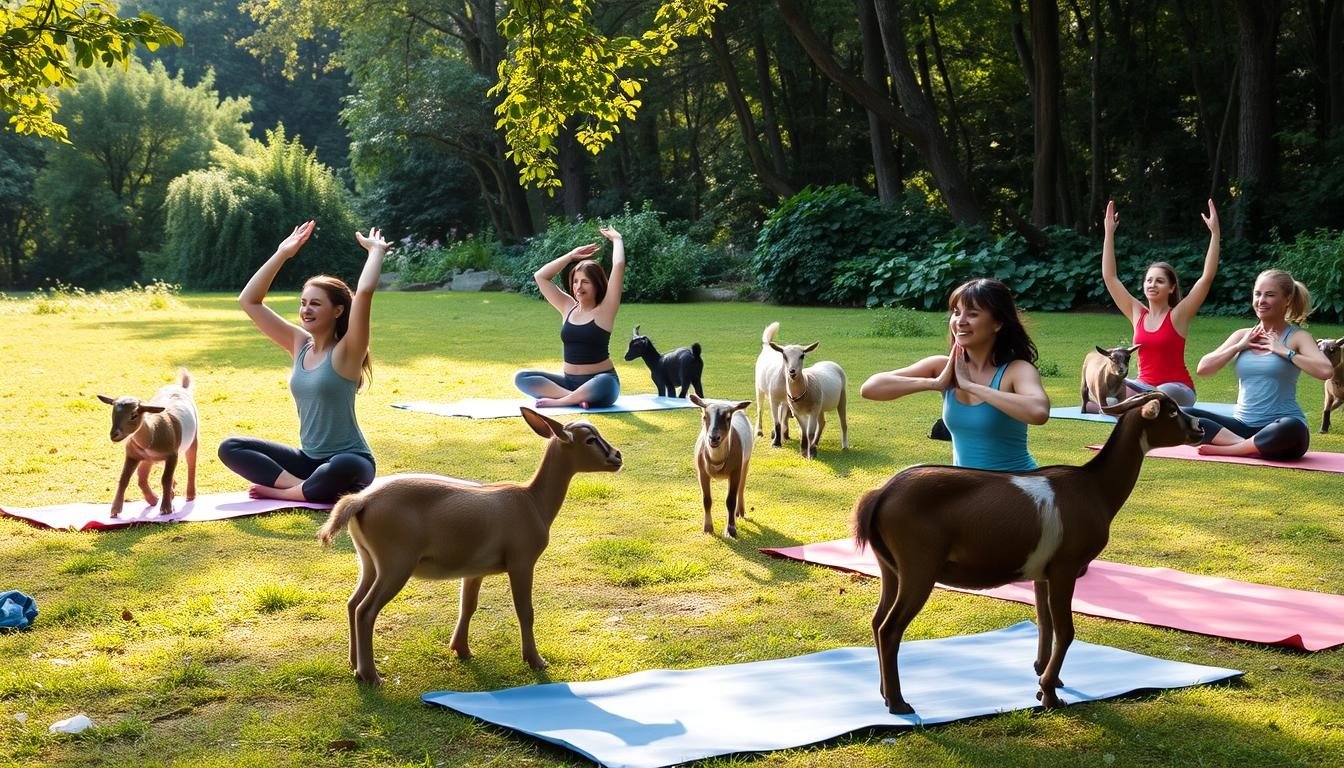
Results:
[478, 408]
[1073, 412]
[664, 717]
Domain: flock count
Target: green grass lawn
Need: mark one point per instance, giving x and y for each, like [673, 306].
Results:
[224, 644]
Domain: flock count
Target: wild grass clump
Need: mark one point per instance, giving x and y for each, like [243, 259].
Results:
[899, 322]
[270, 598]
[62, 299]
[631, 563]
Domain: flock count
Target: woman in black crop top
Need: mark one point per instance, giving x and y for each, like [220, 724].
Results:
[589, 310]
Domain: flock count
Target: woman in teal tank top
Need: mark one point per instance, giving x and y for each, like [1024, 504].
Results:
[330, 352]
[990, 386]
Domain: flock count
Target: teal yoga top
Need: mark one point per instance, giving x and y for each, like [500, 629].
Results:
[983, 437]
[1267, 387]
[326, 402]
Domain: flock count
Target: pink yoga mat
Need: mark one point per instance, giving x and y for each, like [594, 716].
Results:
[1161, 597]
[83, 516]
[1319, 461]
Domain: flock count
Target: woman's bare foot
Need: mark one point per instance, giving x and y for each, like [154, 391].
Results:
[1246, 448]
[267, 492]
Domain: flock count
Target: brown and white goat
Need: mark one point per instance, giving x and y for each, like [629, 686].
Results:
[723, 449]
[1334, 386]
[1104, 373]
[811, 393]
[160, 430]
[976, 529]
[770, 388]
[438, 529]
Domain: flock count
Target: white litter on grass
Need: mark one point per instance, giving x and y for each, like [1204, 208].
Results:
[22, 717]
[77, 724]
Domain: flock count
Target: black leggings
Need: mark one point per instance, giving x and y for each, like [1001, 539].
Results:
[1283, 439]
[324, 480]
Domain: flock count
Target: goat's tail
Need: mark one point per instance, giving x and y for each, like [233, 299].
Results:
[346, 508]
[867, 513]
[184, 378]
[769, 334]
[695, 349]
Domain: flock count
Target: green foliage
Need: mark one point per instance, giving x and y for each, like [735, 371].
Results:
[21, 216]
[42, 42]
[419, 262]
[132, 132]
[899, 322]
[61, 299]
[660, 264]
[1317, 260]
[559, 66]
[223, 222]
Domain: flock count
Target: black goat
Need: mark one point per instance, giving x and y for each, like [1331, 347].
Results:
[679, 368]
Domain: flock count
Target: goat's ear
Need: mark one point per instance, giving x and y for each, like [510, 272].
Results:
[1339, 341]
[742, 405]
[544, 426]
[635, 335]
[776, 347]
[1103, 352]
[1134, 348]
[108, 400]
[1151, 409]
[810, 347]
[694, 398]
[151, 409]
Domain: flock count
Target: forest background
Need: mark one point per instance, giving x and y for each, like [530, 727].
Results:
[836, 151]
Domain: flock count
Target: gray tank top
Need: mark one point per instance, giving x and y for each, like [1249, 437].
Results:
[326, 402]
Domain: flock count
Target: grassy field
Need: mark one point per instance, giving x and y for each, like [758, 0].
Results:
[223, 644]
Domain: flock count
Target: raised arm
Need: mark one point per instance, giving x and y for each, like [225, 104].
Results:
[1124, 300]
[559, 298]
[349, 353]
[1239, 341]
[1184, 312]
[615, 281]
[932, 374]
[279, 330]
[1020, 395]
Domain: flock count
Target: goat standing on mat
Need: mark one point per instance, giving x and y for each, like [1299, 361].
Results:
[438, 529]
[1104, 374]
[723, 450]
[1334, 386]
[679, 368]
[977, 529]
[160, 430]
[811, 392]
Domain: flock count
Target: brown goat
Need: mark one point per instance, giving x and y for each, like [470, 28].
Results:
[156, 431]
[1104, 372]
[1334, 386]
[438, 529]
[723, 449]
[976, 529]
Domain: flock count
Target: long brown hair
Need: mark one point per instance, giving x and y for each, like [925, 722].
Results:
[341, 296]
[1171, 276]
[593, 271]
[1012, 341]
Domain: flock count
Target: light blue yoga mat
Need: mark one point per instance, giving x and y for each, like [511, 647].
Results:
[1074, 412]
[664, 717]
[497, 409]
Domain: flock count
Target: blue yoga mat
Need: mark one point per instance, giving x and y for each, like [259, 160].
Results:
[663, 717]
[1074, 412]
[479, 408]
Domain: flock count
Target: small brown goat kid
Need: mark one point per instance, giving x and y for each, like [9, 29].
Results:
[976, 529]
[438, 529]
[723, 449]
[1334, 386]
[1104, 372]
[159, 430]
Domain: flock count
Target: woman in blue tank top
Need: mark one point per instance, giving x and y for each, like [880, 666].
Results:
[989, 383]
[1269, 357]
[330, 352]
[589, 310]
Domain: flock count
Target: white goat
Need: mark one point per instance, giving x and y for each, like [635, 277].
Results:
[160, 430]
[1103, 375]
[770, 388]
[977, 529]
[811, 393]
[723, 449]
[437, 529]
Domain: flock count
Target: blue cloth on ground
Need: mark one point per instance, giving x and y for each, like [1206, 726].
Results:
[17, 610]
[477, 408]
[663, 717]
[1074, 412]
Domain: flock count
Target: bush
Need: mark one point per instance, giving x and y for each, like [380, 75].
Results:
[899, 322]
[1316, 259]
[419, 262]
[661, 266]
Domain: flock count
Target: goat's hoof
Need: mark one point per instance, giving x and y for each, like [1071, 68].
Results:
[537, 663]
[373, 678]
[1048, 698]
[731, 532]
[900, 708]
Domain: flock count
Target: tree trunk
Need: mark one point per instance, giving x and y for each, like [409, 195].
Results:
[1097, 189]
[772, 181]
[953, 112]
[886, 167]
[1046, 167]
[573, 172]
[769, 118]
[1257, 37]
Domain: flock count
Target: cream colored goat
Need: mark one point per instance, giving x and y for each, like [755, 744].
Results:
[437, 529]
[160, 430]
[811, 392]
[1103, 375]
[770, 388]
[975, 528]
[723, 450]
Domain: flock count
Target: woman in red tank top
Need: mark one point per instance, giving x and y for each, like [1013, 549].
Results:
[1161, 325]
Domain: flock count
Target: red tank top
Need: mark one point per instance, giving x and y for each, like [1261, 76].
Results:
[1162, 357]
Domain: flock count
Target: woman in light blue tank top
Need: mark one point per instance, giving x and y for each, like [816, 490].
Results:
[990, 386]
[330, 351]
[1269, 358]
